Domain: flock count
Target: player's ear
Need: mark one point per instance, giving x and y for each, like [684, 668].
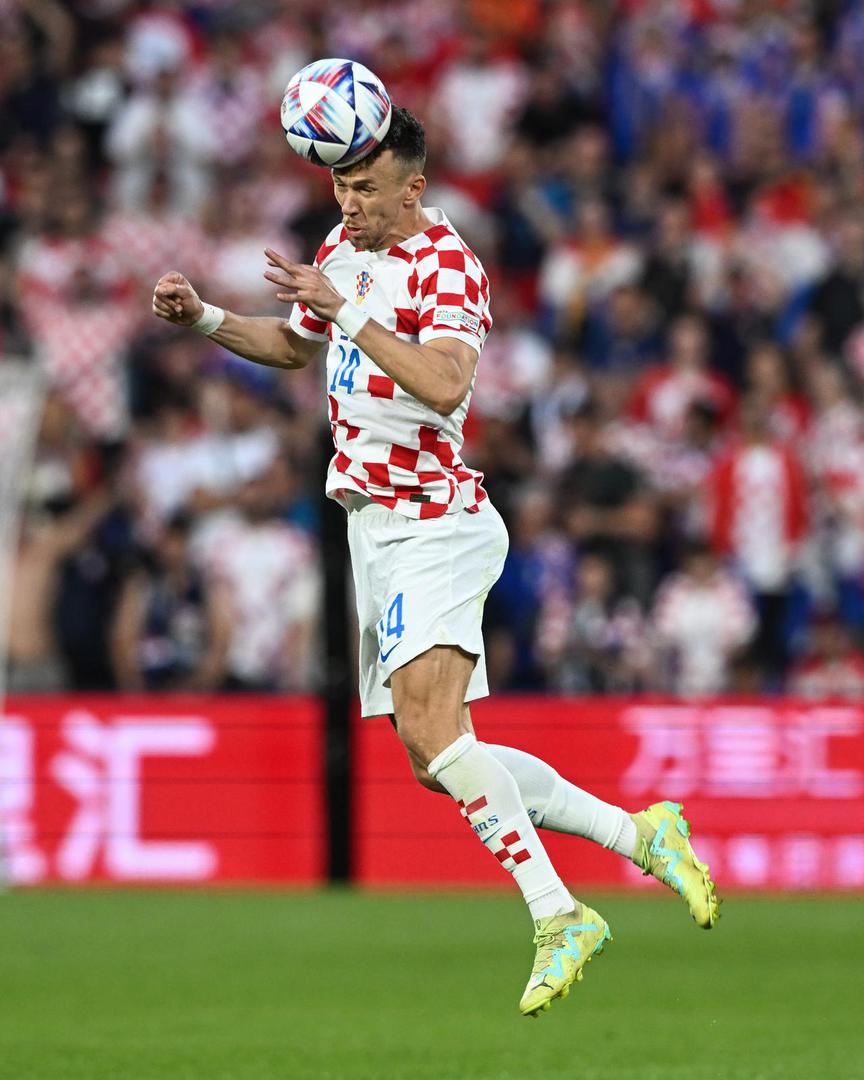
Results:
[414, 189]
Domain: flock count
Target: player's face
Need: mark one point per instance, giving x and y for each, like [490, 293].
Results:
[374, 199]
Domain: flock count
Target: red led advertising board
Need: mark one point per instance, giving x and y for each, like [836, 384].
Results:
[198, 790]
[181, 790]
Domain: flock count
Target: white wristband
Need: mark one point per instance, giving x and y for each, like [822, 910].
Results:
[350, 319]
[210, 321]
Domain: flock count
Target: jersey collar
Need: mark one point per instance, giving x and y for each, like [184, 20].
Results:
[406, 248]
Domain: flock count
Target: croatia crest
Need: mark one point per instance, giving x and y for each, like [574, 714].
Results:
[365, 281]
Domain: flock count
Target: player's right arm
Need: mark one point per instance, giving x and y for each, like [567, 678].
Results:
[262, 339]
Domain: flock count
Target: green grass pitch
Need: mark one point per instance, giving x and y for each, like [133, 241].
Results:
[324, 986]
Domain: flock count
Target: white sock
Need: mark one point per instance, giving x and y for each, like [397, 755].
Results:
[554, 803]
[489, 799]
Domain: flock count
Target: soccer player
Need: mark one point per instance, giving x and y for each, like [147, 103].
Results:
[402, 307]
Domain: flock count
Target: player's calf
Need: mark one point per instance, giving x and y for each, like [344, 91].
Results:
[421, 775]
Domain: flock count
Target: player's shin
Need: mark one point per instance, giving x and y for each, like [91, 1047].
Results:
[489, 799]
[554, 803]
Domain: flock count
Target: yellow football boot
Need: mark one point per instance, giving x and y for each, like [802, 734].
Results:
[565, 944]
[663, 849]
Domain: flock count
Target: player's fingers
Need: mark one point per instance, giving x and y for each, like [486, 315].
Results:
[287, 297]
[280, 279]
[289, 268]
[167, 283]
[275, 259]
[171, 289]
[175, 276]
[170, 302]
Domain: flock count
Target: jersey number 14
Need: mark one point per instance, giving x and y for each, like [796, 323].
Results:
[346, 369]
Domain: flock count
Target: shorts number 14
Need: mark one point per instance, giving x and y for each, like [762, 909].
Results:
[390, 627]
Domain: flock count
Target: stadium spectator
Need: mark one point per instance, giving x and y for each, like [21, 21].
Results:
[172, 627]
[586, 173]
[605, 505]
[145, 238]
[526, 218]
[98, 90]
[677, 469]
[832, 666]
[200, 456]
[834, 447]
[665, 393]
[161, 128]
[237, 238]
[553, 108]
[758, 516]
[668, 272]
[537, 565]
[495, 85]
[622, 336]
[229, 91]
[702, 617]
[837, 299]
[584, 268]
[164, 468]
[566, 390]
[767, 375]
[271, 576]
[36, 50]
[590, 639]
[60, 509]
[78, 304]
[90, 577]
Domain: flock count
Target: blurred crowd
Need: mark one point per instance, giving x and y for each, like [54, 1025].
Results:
[669, 200]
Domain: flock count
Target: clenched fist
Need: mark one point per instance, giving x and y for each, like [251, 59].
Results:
[175, 300]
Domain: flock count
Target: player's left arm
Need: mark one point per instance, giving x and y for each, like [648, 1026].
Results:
[438, 373]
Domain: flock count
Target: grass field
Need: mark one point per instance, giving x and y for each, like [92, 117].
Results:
[236, 986]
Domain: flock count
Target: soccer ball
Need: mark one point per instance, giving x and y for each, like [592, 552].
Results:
[335, 112]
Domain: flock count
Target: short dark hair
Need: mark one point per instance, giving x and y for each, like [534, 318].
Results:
[406, 139]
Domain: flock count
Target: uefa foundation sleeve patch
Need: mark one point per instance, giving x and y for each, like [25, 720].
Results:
[453, 316]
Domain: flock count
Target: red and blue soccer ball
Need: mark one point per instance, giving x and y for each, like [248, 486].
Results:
[335, 112]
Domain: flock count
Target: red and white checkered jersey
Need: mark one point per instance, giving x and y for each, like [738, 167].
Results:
[389, 445]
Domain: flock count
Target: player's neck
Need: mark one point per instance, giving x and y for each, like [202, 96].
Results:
[417, 221]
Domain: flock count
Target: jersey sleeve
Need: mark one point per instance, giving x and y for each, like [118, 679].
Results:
[303, 321]
[452, 295]
[309, 326]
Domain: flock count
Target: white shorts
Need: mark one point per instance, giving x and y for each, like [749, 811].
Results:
[420, 584]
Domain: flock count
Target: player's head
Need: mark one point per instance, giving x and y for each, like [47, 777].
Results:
[379, 195]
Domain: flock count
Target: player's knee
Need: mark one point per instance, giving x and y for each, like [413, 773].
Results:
[422, 742]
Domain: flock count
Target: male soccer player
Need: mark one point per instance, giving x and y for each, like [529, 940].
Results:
[402, 306]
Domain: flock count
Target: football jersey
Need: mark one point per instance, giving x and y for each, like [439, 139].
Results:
[390, 446]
